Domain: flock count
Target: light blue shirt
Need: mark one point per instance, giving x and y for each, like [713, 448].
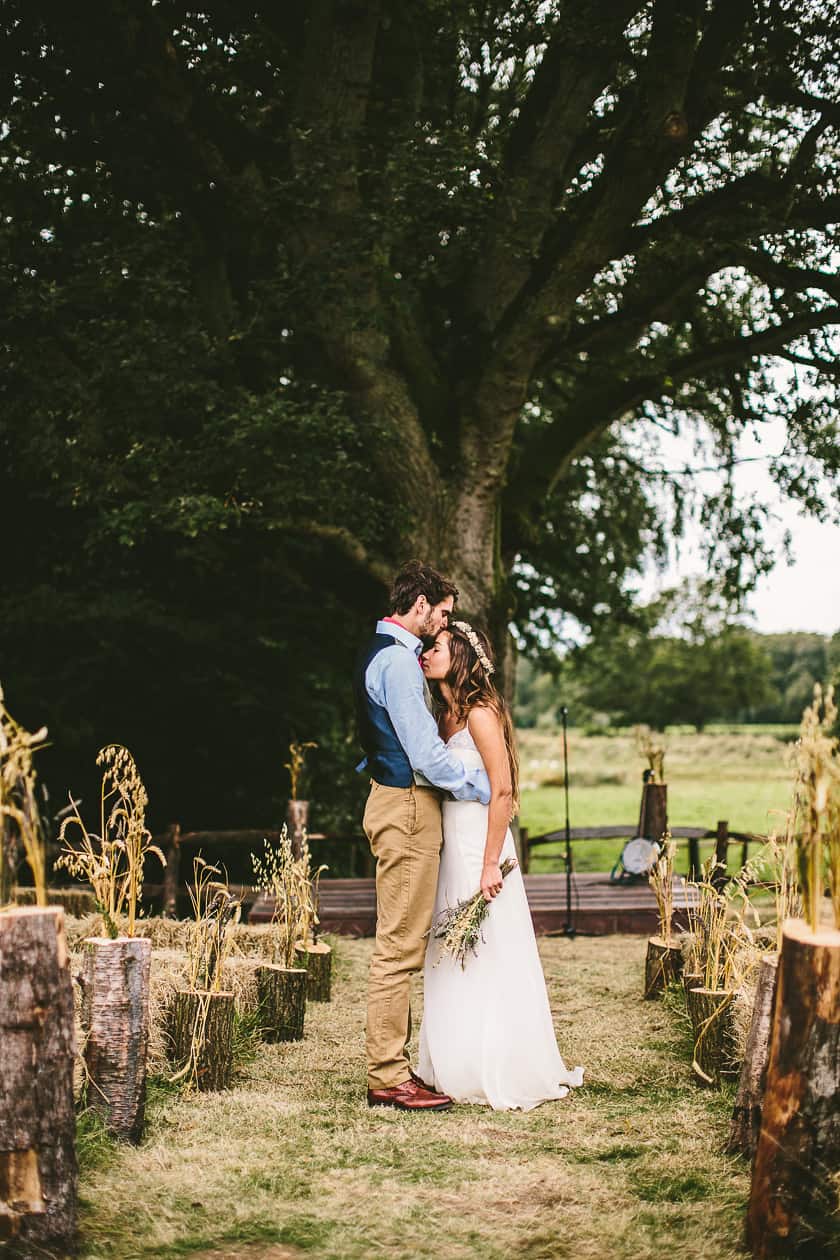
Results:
[395, 681]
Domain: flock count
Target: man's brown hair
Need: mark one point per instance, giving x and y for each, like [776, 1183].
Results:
[415, 579]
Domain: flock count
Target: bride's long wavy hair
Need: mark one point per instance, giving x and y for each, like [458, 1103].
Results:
[471, 685]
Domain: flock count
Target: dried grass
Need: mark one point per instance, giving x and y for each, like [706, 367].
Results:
[248, 939]
[629, 1166]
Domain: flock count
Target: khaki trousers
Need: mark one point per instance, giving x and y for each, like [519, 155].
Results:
[403, 826]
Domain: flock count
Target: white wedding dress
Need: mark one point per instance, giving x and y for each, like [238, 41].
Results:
[487, 1035]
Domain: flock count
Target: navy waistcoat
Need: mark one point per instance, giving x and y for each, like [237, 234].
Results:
[387, 762]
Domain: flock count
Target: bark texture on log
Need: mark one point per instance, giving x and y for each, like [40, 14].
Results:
[317, 959]
[653, 814]
[746, 1114]
[692, 980]
[282, 995]
[663, 965]
[202, 1038]
[714, 1044]
[38, 1173]
[115, 1023]
[794, 1195]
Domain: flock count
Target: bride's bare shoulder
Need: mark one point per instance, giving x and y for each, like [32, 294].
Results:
[482, 719]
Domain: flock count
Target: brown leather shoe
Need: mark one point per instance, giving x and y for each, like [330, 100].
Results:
[409, 1097]
[418, 1080]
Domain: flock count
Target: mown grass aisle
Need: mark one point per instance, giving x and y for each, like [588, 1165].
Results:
[630, 1166]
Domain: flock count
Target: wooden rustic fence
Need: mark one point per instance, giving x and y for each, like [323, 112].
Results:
[691, 836]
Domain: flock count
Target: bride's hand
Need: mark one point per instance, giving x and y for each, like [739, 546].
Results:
[491, 880]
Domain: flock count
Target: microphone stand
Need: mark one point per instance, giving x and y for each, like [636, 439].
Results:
[568, 927]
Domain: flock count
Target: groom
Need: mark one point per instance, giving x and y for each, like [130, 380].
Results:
[409, 768]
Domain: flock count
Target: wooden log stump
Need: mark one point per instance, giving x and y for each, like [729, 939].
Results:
[317, 958]
[115, 1024]
[282, 995]
[201, 1038]
[793, 1198]
[663, 965]
[714, 1043]
[746, 1114]
[38, 1172]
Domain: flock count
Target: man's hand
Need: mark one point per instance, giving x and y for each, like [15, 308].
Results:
[491, 880]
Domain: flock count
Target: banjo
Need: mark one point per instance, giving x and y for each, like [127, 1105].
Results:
[638, 857]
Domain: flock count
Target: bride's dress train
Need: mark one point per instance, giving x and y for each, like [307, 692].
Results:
[487, 1035]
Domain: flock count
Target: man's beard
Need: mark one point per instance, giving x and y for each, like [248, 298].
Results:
[425, 630]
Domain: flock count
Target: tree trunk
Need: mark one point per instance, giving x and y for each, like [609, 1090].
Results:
[746, 1115]
[202, 1038]
[714, 1046]
[318, 962]
[282, 994]
[663, 965]
[115, 1020]
[38, 1173]
[653, 813]
[793, 1199]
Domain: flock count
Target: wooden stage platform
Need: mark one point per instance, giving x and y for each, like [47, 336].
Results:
[599, 907]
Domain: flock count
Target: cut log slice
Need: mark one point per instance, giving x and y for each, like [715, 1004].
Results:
[714, 1043]
[793, 1198]
[38, 1174]
[202, 1038]
[746, 1114]
[282, 996]
[317, 958]
[663, 965]
[115, 1024]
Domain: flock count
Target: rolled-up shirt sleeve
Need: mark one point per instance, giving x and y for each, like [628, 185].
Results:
[397, 683]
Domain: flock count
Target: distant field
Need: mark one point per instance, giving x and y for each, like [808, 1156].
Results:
[736, 773]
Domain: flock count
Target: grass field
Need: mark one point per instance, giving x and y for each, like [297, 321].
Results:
[735, 773]
[292, 1163]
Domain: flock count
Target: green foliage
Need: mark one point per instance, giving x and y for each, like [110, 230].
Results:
[266, 327]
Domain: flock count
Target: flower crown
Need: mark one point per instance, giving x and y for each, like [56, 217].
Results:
[475, 643]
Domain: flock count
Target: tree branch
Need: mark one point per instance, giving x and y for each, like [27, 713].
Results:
[596, 405]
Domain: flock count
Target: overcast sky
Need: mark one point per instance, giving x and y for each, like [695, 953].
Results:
[801, 596]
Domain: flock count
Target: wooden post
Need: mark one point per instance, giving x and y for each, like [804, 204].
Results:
[721, 854]
[653, 814]
[526, 849]
[317, 959]
[297, 817]
[202, 1038]
[115, 1019]
[38, 1174]
[745, 853]
[171, 872]
[693, 858]
[282, 995]
[746, 1115]
[793, 1198]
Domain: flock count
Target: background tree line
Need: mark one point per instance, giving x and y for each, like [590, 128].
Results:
[681, 663]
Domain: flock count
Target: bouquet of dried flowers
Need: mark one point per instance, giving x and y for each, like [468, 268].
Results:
[458, 928]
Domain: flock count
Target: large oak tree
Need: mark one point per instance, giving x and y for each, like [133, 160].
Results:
[365, 279]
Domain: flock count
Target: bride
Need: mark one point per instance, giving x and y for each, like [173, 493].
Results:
[487, 1034]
